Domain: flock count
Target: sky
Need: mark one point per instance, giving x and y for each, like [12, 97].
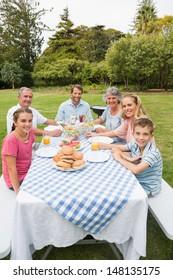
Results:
[116, 14]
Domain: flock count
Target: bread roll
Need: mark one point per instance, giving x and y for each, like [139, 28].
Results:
[67, 157]
[78, 164]
[64, 165]
[56, 158]
[68, 150]
[67, 160]
[77, 156]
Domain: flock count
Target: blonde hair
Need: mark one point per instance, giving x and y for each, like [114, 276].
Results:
[140, 110]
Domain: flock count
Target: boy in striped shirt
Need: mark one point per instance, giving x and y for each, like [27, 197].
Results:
[144, 159]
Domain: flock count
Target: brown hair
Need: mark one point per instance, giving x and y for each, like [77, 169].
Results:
[143, 122]
[17, 113]
[76, 86]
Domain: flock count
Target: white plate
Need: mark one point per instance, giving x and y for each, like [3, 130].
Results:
[46, 152]
[77, 149]
[98, 126]
[101, 139]
[53, 127]
[71, 169]
[97, 156]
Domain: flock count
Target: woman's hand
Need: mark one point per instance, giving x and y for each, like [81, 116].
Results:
[90, 134]
[100, 129]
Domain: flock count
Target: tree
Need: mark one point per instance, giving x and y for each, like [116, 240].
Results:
[165, 24]
[58, 72]
[146, 61]
[97, 43]
[63, 43]
[75, 48]
[142, 60]
[117, 59]
[11, 73]
[164, 52]
[99, 73]
[20, 34]
[146, 17]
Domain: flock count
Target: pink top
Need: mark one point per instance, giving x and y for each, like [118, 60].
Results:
[124, 131]
[13, 146]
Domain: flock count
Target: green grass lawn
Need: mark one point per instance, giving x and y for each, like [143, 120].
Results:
[160, 109]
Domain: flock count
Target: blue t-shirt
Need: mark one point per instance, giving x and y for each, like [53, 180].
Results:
[112, 122]
[151, 178]
[67, 109]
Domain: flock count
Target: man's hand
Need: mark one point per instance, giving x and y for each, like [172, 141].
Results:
[56, 132]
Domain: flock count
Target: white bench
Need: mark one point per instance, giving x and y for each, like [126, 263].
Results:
[161, 207]
[7, 203]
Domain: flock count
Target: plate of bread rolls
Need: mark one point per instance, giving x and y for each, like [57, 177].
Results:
[68, 159]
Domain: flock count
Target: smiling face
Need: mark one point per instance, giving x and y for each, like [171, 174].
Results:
[25, 99]
[142, 135]
[23, 123]
[76, 96]
[112, 101]
[129, 107]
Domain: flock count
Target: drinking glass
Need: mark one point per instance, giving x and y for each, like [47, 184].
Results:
[94, 146]
[46, 138]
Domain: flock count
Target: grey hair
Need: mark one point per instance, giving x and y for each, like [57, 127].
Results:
[112, 91]
[22, 89]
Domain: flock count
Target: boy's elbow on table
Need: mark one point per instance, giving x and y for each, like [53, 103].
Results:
[136, 169]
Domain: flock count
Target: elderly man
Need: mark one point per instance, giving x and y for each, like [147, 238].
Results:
[25, 96]
[74, 106]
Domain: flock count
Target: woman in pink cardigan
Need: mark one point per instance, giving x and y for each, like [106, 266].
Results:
[132, 109]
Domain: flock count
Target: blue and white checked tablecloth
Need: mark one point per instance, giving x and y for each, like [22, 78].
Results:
[89, 197]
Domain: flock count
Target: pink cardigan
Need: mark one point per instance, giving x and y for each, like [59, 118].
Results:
[125, 131]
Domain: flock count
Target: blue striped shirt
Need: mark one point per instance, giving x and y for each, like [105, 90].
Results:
[151, 178]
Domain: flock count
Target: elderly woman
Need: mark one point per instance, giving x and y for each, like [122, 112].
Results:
[132, 109]
[112, 114]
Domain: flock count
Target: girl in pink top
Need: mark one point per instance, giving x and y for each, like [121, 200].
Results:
[17, 149]
[132, 109]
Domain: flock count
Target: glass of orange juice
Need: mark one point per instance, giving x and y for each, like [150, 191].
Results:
[94, 146]
[46, 138]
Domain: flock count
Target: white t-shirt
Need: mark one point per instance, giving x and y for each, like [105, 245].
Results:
[38, 119]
